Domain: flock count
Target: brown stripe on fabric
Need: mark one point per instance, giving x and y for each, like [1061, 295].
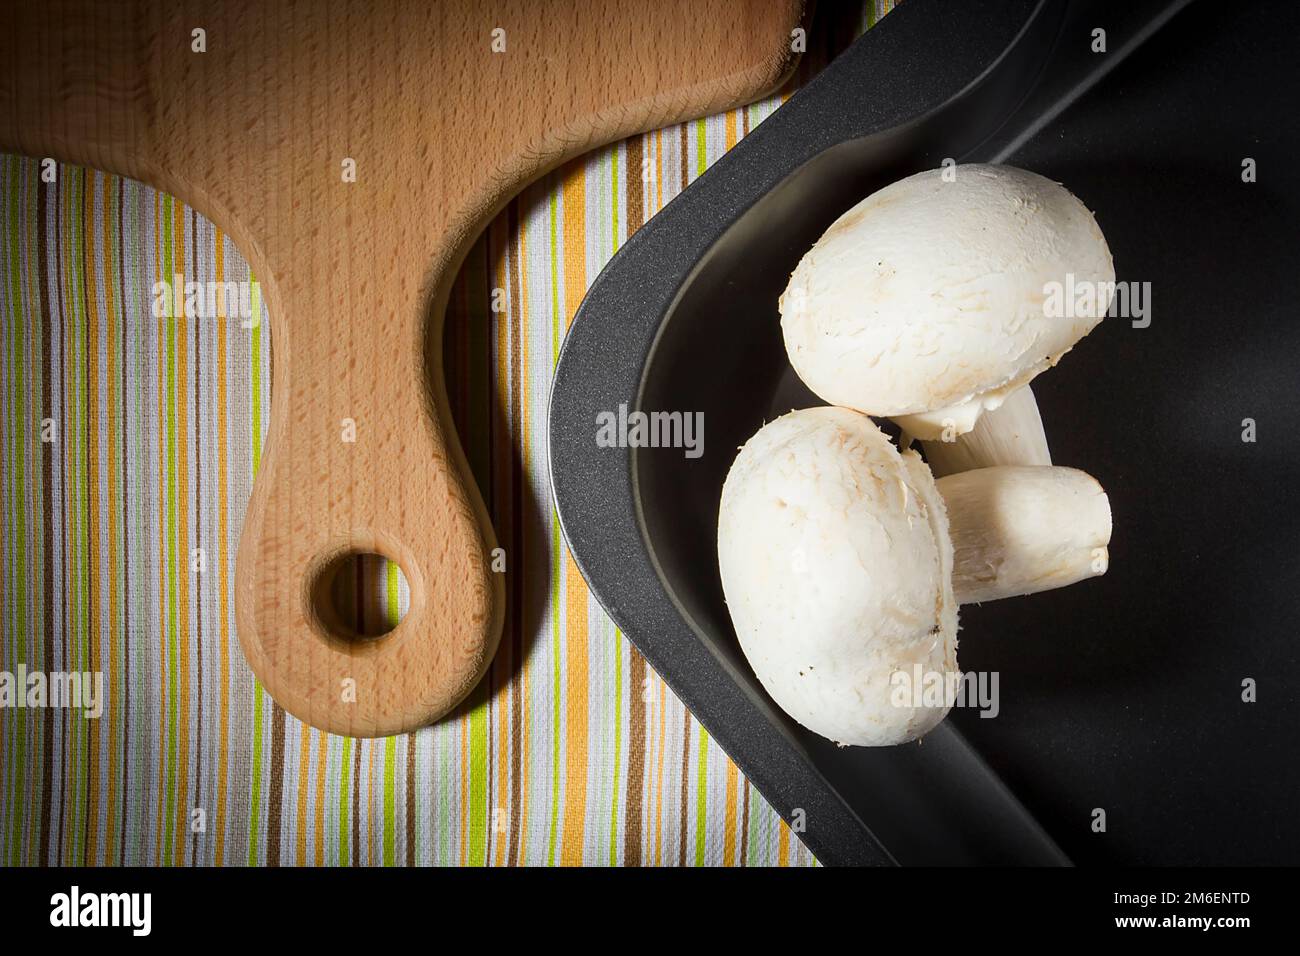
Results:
[516, 609]
[636, 166]
[686, 785]
[276, 795]
[410, 799]
[198, 537]
[126, 541]
[47, 453]
[636, 685]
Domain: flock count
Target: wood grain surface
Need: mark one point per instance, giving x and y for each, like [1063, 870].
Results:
[443, 130]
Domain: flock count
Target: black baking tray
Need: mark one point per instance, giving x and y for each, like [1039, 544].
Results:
[1123, 693]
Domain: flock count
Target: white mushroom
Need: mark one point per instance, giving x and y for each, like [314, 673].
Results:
[843, 567]
[928, 301]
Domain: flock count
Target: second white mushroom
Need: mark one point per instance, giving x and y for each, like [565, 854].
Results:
[843, 562]
[928, 302]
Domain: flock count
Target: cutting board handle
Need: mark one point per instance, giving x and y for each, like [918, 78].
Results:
[354, 152]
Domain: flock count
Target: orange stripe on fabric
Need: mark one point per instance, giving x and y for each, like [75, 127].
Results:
[321, 760]
[729, 823]
[304, 761]
[575, 590]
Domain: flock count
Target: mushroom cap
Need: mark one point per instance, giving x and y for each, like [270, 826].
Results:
[837, 570]
[930, 295]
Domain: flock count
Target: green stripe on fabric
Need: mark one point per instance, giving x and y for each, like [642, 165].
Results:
[393, 594]
[701, 148]
[478, 776]
[617, 203]
[345, 802]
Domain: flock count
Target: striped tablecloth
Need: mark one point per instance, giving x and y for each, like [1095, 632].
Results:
[129, 447]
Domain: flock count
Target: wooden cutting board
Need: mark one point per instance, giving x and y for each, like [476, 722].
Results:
[354, 151]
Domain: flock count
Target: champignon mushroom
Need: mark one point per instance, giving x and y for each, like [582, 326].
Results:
[927, 302]
[843, 562]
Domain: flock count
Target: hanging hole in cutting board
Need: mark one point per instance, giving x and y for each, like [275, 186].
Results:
[361, 596]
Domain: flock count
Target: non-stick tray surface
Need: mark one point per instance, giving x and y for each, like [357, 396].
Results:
[1123, 693]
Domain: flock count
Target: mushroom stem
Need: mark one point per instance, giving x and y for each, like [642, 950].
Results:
[1011, 434]
[1024, 529]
